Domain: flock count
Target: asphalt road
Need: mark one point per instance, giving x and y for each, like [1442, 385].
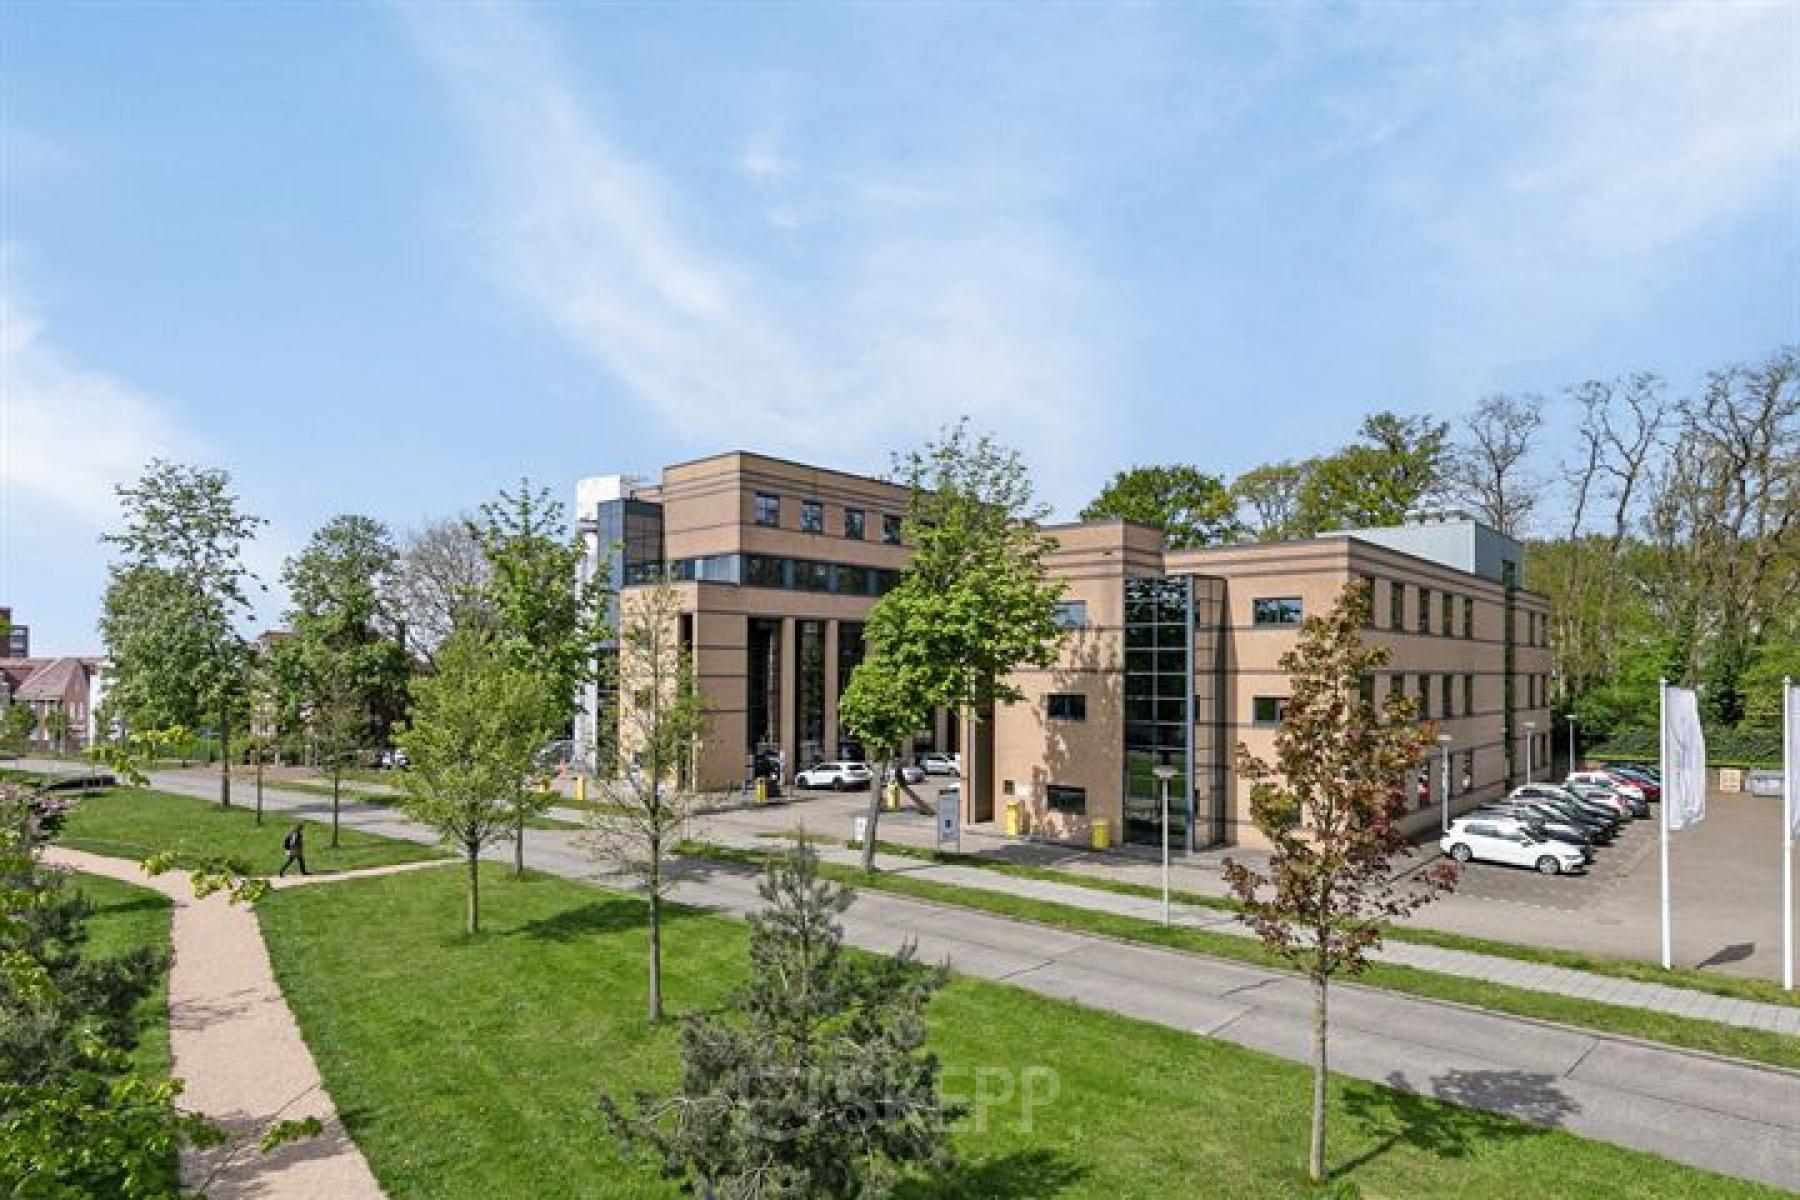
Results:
[1726, 1116]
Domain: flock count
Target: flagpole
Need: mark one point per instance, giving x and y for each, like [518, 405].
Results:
[1789, 783]
[1662, 697]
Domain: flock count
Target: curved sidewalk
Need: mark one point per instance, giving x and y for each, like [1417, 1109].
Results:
[237, 1049]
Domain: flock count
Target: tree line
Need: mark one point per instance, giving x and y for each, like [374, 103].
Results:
[1662, 522]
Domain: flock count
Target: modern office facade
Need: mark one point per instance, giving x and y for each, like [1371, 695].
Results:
[1170, 659]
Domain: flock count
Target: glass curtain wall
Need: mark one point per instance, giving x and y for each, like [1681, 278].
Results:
[810, 691]
[1159, 676]
[850, 653]
[762, 680]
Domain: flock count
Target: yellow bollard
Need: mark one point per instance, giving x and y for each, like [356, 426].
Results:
[1102, 834]
[581, 789]
[892, 792]
[1015, 819]
[762, 790]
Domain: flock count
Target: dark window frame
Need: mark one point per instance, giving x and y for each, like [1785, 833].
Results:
[855, 522]
[812, 516]
[891, 529]
[1260, 721]
[1065, 706]
[1272, 612]
[1071, 614]
[766, 510]
[1060, 798]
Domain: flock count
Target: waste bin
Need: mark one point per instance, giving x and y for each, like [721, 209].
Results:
[581, 789]
[892, 794]
[1015, 818]
[1102, 833]
[762, 790]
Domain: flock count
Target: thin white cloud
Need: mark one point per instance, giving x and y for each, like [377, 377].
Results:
[908, 316]
[68, 432]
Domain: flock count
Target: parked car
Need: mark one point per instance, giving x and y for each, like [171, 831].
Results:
[1546, 821]
[1506, 841]
[941, 764]
[1651, 788]
[1631, 789]
[906, 772]
[1628, 806]
[1593, 805]
[838, 776]
[394, 759]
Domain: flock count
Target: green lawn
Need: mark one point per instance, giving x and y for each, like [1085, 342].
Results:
[1687, 1032]
[123, 918]
[469, 1067]
[1765, 991]
[137, 822]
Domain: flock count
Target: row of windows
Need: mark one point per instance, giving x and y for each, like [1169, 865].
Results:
[767, 510]
[1537, 629]
[1432, 612]
[770, 571]
[1451, 696]
[1278, 610]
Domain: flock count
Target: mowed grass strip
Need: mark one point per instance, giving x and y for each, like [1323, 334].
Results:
[469, 1068]
[123, 918]
[1689, 1033]
[134, 823]
[1763, 991]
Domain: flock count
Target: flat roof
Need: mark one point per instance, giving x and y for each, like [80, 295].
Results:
[779, 461]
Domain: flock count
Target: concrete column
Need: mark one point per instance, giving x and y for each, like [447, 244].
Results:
[790, 696]
[831, 689]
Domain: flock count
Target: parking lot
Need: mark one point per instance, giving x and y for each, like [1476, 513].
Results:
[1613, 865]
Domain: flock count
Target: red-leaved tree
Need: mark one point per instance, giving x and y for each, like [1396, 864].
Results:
[1330, 806]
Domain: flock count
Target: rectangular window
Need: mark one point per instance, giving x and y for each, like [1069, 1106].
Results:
[1468, 616]
[813, 576]
[1066, 706]
[812, 517]
[1468, 695]
[1448, 701]
[1424, 610]
[768, 509]
[890, 529]
[853, 524]
[1365, 689]
[1280, 610]
[1397, 606]
[1424, 695]
[1071, 614]
[855, 581]
[1070, 800]
[1449, 628]
[1368, 590]
[760, 570]
[1267, 710]
[1396, 687]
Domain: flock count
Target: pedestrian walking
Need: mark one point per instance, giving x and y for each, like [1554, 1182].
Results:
[295, 845]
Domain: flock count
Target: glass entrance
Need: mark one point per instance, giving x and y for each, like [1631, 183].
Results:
[1159, 680]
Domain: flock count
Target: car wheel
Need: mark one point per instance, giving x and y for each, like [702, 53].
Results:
[1460, 853]
[837, 785]
[1548, 866]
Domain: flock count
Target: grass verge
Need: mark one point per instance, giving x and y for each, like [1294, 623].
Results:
[125, 917]
[137, 822]
[1686, 1032]
[469, 1068]
[1762, 991]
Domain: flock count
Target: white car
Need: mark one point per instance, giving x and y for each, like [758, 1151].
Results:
[907, 773]
[838, 776]
[941, 764]
[1502, 840]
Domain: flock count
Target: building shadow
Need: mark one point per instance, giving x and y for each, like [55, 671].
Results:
[1020, 1175]
[1463, 1110]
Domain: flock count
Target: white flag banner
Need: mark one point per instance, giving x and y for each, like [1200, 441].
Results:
[1684, 759]
[1791, 785]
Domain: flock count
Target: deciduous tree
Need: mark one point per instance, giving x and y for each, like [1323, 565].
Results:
[1330, 806]
[173, 602]
[1488, 466]
[662, 722]
[1398, 464]
[473, 737]
[1191, 507]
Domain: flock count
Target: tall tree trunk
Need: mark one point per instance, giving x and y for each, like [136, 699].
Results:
[474, 922]
[259, 781]
[656, 1005]
[337, 783]
[877, 788]
[519, 842]
[1315, 1165]
[224, 761]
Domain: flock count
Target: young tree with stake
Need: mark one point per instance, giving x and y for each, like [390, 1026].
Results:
[473, 740]
[1331, 806]
[662, 721]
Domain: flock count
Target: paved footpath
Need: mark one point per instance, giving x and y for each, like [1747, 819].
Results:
[238, 1051]
[1733, 1117]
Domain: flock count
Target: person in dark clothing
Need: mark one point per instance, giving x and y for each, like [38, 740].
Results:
[295, 845]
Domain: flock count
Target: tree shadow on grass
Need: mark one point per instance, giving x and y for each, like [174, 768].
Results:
[1020, 1175]
[1465, 1110]
[594, 919]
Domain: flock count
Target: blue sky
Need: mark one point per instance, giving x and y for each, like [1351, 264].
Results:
[387, 259]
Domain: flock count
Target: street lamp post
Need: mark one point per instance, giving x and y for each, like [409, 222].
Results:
[1164, 772]
[1572, 766]
[1443, 742]
[1530, 732]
